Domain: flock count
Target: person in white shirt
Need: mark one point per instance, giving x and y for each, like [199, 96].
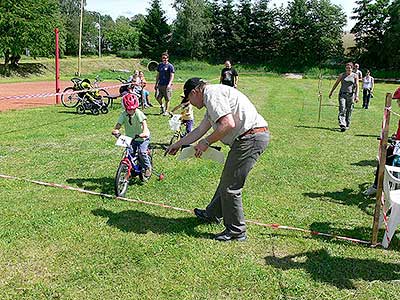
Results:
[358, 71]
[236, 123]
[368, 89]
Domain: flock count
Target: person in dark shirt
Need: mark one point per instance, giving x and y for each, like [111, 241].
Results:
[229, 76]
[163, 86]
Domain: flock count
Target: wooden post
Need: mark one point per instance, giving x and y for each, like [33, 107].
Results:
[319, 96]
[382, 161]
[57, 67]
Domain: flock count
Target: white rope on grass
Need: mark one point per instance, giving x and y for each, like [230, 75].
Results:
[273, 225]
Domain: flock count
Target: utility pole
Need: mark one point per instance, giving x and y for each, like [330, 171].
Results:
[98, 26]
[80, 40]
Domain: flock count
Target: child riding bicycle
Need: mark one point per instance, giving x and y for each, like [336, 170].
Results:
[134, 121]
[187, 116]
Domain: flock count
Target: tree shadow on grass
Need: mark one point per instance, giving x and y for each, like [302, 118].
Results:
[363, 233]
[346, 197]
[366, 163]
[104, 184]
[141, 223]
[56, 123]
[336, 270]
[318, 127]
[23, 69]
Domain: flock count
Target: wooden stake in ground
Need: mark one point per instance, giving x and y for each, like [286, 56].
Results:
[319, 96]
[382, 161]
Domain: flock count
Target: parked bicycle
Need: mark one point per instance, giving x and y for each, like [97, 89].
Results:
[71, 99]
[129, 166]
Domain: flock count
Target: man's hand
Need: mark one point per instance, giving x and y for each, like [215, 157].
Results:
[201, 147]
[172, 149]
[356, 99]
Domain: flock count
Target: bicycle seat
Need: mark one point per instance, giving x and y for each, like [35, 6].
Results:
[76, 80]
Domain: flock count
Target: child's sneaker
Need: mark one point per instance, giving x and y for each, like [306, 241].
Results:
[146, 174]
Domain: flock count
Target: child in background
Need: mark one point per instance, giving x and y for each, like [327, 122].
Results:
[135, 125]
[145, 93]
[187, 116]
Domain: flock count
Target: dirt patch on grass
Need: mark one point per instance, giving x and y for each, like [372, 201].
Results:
[33, 88]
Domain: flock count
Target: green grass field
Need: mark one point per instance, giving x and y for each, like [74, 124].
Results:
[60, 244]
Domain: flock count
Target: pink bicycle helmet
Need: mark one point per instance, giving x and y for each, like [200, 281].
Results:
[130, 101]
[396, 94]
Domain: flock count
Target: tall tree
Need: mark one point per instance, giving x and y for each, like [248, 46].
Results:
[70, 17]
[312, 33]
[222, 34]
[392, 37]
[371, 18]
[242, 31]
[265, 32]
[28, 24]
[156, 33]
[122, 36]
[191, 28]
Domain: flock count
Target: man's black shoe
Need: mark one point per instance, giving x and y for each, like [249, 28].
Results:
[227, 236]
[201, 214]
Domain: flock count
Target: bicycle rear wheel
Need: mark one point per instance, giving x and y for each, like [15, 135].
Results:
[121, 180]
[69, 100]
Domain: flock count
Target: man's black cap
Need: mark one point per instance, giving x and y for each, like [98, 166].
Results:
[190, 84]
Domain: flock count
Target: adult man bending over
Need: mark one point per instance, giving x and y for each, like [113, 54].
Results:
[236, 123]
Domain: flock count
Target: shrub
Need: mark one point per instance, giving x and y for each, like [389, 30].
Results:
[129, 54]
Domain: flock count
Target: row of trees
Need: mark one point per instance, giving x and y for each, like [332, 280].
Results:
[305, 33]
[377, 33]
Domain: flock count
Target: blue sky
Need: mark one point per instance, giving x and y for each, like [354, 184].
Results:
[129, 8]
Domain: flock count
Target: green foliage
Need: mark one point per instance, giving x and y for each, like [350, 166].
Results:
[371, 17]
[28, 24]
[312, 31]
[191, 29]
[128, 54]
[392, 37]
[265, 34]
[122, 36]
[223, 26]
[70, 16]
[155, 35]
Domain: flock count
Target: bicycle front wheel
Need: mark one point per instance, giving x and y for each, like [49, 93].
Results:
[104, 96]
[69, 100]
[121, 180]
[174, 138]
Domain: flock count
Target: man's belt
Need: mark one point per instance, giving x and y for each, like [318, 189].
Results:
[254, 130]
